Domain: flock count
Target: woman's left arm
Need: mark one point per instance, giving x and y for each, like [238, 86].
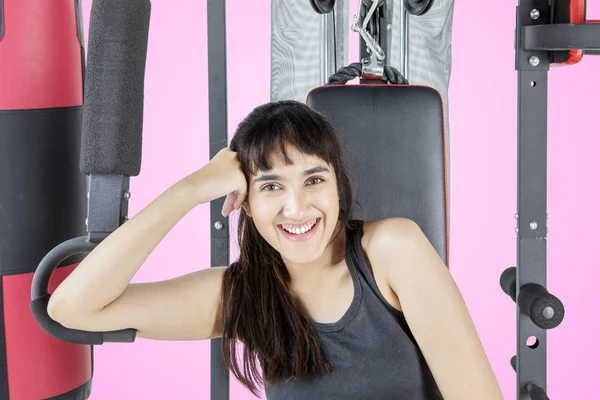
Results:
[435, 311]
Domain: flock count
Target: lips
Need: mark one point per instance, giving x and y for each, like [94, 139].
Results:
[300, 228]
[300, 235]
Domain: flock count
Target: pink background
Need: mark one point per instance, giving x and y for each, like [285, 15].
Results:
[483, 198]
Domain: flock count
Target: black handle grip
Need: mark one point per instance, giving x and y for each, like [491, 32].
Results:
[508, 282]
[536, 392]
[40, 298]
[544, 309]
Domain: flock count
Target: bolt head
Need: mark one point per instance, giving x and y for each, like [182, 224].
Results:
[533, 225]
[534, 61]
[534, 14]
[548, 312]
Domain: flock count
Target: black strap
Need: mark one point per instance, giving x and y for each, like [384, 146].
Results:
[354, 70]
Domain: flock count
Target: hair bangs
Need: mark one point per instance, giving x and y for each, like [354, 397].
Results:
[273, 137]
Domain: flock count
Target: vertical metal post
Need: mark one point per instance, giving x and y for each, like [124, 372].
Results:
[403, 17]
[217, 121]
[532, 70]
[341, 20]
[328, 46]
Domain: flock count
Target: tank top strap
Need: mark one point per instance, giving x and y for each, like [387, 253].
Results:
[359, 258]
[363, 268]
[354, 247]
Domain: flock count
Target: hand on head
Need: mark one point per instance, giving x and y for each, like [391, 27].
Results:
[221, 176]
[233, 201]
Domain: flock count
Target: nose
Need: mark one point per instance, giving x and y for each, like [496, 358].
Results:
[297, 204]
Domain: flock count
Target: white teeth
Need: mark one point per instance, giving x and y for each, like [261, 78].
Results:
[298, 230]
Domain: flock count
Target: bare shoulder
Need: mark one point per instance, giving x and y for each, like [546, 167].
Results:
[389, 233]
[382, 242]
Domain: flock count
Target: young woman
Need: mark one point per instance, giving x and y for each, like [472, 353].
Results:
[326, 307]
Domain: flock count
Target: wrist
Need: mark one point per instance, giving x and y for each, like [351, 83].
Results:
[187, 192]
[195, 187]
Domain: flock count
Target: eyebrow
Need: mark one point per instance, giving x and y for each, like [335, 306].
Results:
[275, 177]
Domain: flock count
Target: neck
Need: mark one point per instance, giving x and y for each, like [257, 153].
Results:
[310, 274]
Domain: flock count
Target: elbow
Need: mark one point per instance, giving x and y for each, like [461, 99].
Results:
[53, 309]
[56, 310]
[60, 311]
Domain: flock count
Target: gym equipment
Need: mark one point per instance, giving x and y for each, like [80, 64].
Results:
[547, 34]
[307, 47]
[42, 195]
[570, 12]
[425, 58]
[42, 190]
[111, 145]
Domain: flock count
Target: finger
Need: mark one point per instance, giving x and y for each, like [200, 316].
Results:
[228, 204]
[241, 196]
[225, 210]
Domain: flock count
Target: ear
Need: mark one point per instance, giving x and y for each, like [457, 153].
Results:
[246, 207]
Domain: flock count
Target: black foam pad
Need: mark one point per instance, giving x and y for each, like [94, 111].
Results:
[393, 136]
[114, 87]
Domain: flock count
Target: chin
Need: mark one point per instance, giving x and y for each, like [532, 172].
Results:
[301, 258]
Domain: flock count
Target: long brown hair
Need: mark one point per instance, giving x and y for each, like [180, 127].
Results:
[259, 309]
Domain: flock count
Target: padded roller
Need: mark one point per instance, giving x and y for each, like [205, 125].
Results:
[114, 90]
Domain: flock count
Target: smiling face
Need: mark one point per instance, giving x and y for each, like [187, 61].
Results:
[295, 206]
[300, 194]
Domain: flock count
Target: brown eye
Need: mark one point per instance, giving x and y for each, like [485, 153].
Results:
[318, 180]
[268, 188]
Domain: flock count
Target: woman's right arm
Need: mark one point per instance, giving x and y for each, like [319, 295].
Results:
[98, 295]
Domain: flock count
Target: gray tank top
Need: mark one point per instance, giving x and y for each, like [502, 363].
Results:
[372, 351]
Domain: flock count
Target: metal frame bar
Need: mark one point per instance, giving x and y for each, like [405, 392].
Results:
[404, 29]
[327, 47]
[532, 117]
[217, 121]
[561, 37]
[536, 38]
